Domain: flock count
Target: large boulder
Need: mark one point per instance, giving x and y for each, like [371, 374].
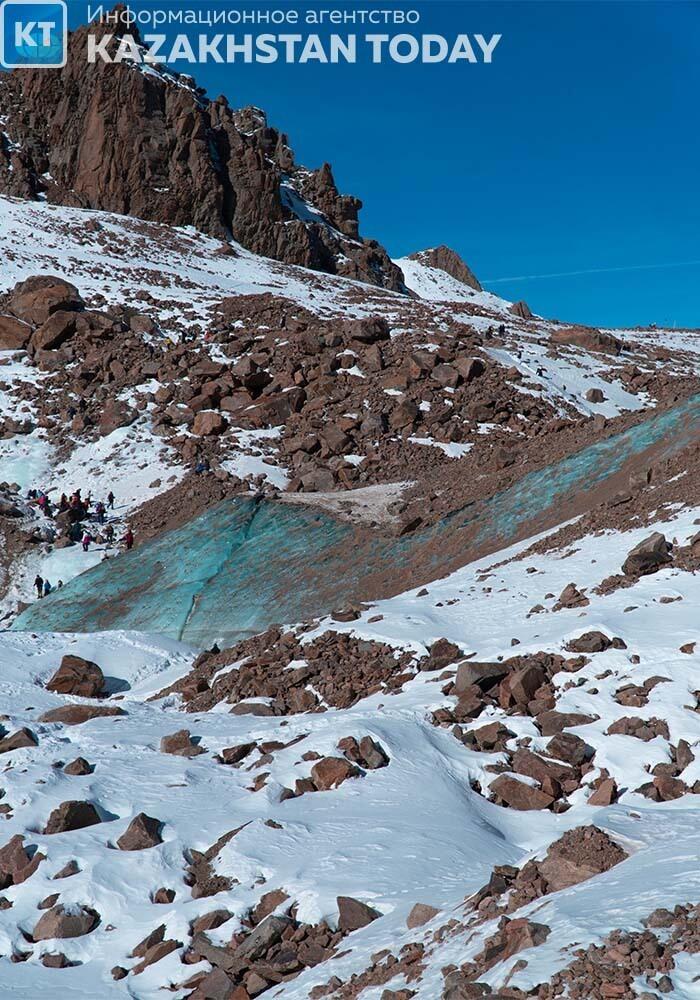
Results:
[518, 795]
[116, 413]
[180, 745]
[579, 855]
[73, 815]
[58, 328]
[76, 715]
[14, 334]
[77, 676]
[331, 772]
[15, 864]
[35, 299]
[587, 337]
[143, 832]
[66, 922]
[353, 914]
[209, 423]
[18, 741]
[648, 556]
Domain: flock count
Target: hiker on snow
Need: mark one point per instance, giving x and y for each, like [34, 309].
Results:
[87, 538]
[47, 588]
[128, 539]
[39, 584]
[100, 510]
[110, 500]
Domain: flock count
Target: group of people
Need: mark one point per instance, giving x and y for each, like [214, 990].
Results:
[43, 587]
[78, 509]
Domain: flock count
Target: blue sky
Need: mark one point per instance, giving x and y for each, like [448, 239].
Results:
[577, 150]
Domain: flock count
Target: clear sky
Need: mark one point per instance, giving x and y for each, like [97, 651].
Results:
[568, 167]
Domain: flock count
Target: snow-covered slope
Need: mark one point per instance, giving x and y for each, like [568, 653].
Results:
[417, 830]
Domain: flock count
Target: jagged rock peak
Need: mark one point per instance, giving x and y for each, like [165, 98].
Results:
[144, 141]
[445, 259]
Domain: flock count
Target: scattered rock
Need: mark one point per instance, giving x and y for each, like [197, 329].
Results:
[648, 556]
[143, 832]
[353, 914]
[66, 922]
[72, 815]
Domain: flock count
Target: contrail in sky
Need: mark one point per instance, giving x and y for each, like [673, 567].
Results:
[592, 270]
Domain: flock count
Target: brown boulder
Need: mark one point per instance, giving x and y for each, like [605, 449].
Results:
[330, 772]
[579, 855]
[512, 936]
[76, 715]
[570, 748]
[589, 642]
[14, 334]
[72, 815]
[571, 597]
[114, 414]
[143, 832]
[180, 744]
[648, 556]
[552, 722]
[518, 688]
[209, 423]
[19, 740]
[420, 914]
[78, 677]
[484, 674]
[589, 338]
[35, 299]
[57, 329]
[518, 795]
[352, 914]
[13, 859]
[65, 922]
[78, 767]
[604, 795]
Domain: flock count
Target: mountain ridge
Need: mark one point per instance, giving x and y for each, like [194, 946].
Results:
[144, 141]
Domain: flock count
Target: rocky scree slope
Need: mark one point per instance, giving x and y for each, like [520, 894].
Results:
[146, 142]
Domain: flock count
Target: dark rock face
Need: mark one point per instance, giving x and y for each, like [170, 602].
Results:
[114, 138]
[448, 261]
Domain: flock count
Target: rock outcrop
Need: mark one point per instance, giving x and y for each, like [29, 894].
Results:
[152, 145]
[442, 258]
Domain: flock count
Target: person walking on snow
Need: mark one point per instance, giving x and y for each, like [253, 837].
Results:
[128, 539]
[110, 500]
[86, 542]
[47, 588]
[39, 584]
[109, 534]
[100, 510]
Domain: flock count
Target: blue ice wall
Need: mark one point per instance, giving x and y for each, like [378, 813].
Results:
[247, 564]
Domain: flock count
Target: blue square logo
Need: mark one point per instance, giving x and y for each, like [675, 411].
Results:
[33, 34]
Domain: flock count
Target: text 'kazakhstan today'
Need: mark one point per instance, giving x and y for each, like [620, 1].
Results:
[292, 48]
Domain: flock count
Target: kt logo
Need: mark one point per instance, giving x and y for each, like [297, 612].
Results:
[33, 34]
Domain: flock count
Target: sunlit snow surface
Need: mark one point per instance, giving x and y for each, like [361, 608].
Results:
[372, 838]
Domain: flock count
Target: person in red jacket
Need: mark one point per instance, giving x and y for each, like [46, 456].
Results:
[128, 539]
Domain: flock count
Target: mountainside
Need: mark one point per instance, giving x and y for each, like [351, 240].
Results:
[140, 140]
[348, 611]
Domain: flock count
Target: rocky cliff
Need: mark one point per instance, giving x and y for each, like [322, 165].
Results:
[144, 141]
[444, 259]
